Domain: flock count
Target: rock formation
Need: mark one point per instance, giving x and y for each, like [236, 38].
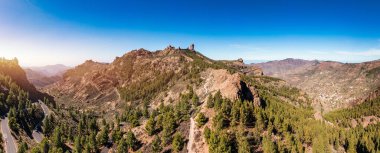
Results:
[191, 47]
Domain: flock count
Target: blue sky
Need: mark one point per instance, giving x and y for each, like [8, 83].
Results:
[41, 32]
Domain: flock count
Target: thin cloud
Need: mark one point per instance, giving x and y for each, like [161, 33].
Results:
[371, 52]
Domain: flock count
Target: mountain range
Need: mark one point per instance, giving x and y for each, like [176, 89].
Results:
[178, 100]
[45, 75]
[332, 85]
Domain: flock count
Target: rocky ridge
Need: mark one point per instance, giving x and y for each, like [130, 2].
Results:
[163, 73]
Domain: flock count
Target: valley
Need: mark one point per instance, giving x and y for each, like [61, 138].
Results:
[332, 85]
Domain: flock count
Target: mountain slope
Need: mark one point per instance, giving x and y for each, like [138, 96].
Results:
[18, 75]
[45, 75]
[40, 80]
[136, 76]
[17, 103]
[50, 70]
[171, 84]
[177, 100]
[332, 84]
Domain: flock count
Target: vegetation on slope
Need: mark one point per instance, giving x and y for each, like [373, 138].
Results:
[147, 87]
[23, 116]
[277, 126]
[281, 122]
[11, 69]
[85, 132]
[238, 126]
[16, 101]
[343, 117]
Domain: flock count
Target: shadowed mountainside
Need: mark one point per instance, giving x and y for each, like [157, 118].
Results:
[18, 75]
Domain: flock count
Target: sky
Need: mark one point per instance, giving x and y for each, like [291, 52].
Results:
[44, 32]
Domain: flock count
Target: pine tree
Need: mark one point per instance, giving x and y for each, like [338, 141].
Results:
[77, 145]
[166, 137]
[319, 144]
[57, 138]
[210, 101]
[235, 113]
[201, 119]
[224, 144]
[352, 142]
[23, 148]
[116, 134]
[218, 100]
[13, 124]
[10, 100]
[87, 149]
[34, 150]
[219, 121]
[244, 114]
[70, 134]
[44, 146]
[268, 145]
[177, 143]
[194, 100]
[47, 125]
[169, 122]
[213, 142]
[145, 111]
[156, 145]
[226, 108]
[134, 119]
[103, 137]
[260, 124]
[122, 146]
[92, 141]
[243, 144]
[207, 133]
[131, 140]
[150, 125]
[104, 123]
[159, 121]
[80, 127]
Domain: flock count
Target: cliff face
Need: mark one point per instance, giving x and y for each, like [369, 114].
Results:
[331, 84]
[18, 75]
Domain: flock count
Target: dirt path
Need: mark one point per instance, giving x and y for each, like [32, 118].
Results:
[191, 136]
[192, 129]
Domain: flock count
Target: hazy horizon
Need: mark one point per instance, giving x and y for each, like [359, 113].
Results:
[42, 33]
[245, 61]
